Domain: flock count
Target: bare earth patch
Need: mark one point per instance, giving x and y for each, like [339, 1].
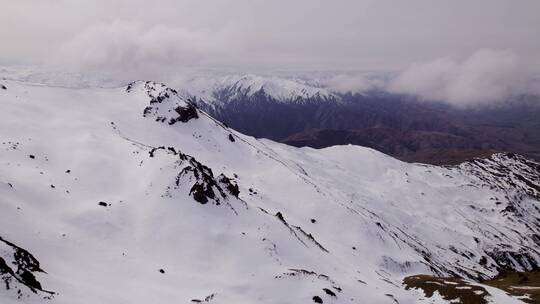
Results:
[526, 285]
[451, 289]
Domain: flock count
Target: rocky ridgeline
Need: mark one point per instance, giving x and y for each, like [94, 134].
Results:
[206, 187]
[17, 271]
[519, 179]
[165, 104]
[507, 172]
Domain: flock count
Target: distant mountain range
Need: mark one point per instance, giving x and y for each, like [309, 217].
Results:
[305, 113]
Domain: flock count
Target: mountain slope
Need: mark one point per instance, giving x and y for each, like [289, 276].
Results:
[133, 195]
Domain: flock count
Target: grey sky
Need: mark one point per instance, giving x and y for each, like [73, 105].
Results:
[313, 34]
[148, 38]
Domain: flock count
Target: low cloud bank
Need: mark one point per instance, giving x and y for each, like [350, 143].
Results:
[487, 76]
[355, 83]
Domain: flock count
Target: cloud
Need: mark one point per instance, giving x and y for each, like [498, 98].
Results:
[131, 50]
[124, 35]
[487, 76]
[354, 83]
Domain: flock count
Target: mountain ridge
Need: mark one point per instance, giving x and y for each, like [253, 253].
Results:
[189, 214]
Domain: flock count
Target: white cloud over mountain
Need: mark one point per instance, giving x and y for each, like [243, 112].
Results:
[484, 77]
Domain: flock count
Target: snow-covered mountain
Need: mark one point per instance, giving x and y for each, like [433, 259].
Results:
[216, 92]
[134, 195]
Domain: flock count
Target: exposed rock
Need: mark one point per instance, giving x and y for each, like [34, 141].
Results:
[184, 114]
[26, 265]
[165, 104]
[206, 186]
[230, 185]
[329, 292]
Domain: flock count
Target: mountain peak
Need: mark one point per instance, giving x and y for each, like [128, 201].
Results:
[214, 91]
[280, 89]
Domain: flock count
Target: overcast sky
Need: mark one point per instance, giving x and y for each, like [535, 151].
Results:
[424, 38]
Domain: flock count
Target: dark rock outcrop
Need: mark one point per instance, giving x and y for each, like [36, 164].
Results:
[21, 270]
[165, 105]
[185, 114]
[206, 186]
